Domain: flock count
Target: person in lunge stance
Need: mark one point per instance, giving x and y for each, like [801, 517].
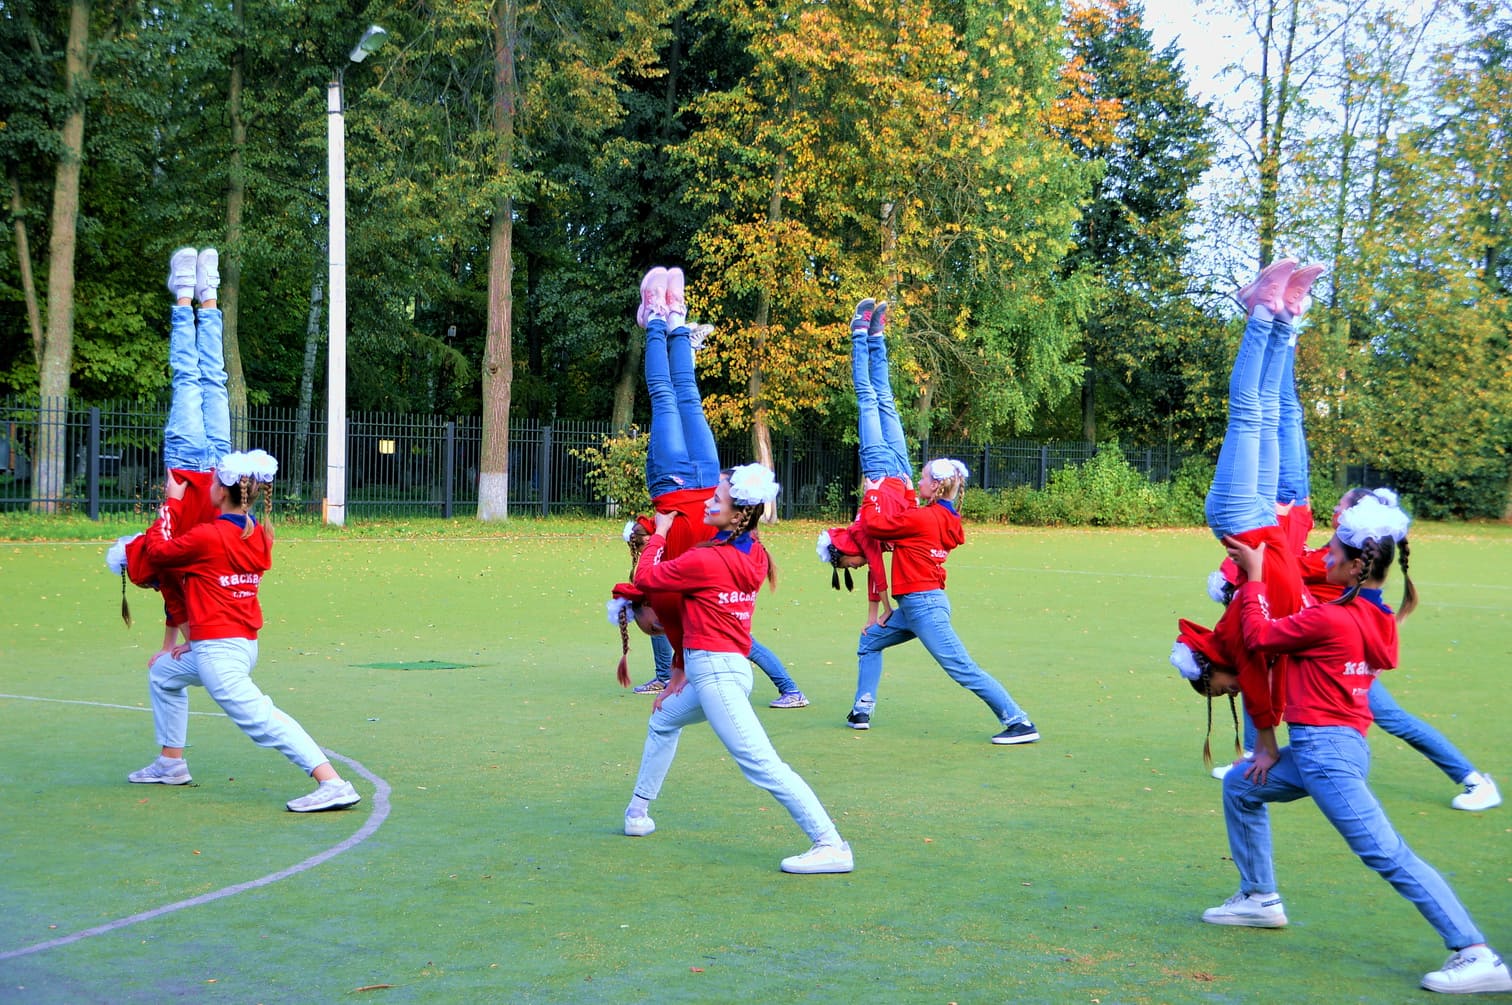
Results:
[718, 582]
[1336, 649]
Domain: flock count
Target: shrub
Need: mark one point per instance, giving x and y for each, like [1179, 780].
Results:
[1187, 492]
[617, 470]
[1103, 492]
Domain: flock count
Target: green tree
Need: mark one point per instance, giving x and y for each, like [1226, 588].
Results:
[1152, 143]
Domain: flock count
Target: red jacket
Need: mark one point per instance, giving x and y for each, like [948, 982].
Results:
[1336, 652]
[718, 587]
[221, 571]
[176, 516]
[688, 530]
[922, 538]
[1261, 677]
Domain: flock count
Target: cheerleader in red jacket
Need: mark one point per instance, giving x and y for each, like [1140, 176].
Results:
[718, 582]
[222, 564]
[682, 464]
[1242, 501]
[1336, 651]
[196, 435]
[884, 458]
[922, 537]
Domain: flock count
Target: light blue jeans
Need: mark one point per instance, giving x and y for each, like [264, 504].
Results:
[719, 693]
[198, 433]
[1331, 764]
[926, 616]
[884, 448]
[223, 667]
[680, 450]
[1293, 481]
[760, 655]
[1243, 494]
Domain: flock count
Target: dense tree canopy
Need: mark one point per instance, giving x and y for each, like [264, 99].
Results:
[1027, 181]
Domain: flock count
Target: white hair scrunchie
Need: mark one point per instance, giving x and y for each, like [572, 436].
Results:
[115, 558]
[944, 468]
[258, 465]
[615, 606]
[752, 485]
[1387, 496]
[1370, 519]
[824, 547]
[629, 531]
[1184, 662]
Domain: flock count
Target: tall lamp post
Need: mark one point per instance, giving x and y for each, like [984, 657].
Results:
[336, 422]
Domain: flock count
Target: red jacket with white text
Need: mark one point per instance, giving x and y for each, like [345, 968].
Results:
[221, 571]
[922, 538]
[718, 586]
[1336, 651]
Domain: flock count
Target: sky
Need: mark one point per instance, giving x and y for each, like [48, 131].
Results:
[1210, 39]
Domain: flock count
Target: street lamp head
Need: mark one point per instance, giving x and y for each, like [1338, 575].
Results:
[371, 41]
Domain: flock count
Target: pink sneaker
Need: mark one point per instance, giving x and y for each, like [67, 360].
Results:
[653, 299]
[677, 305]
[1269, 288]
[1297, 288]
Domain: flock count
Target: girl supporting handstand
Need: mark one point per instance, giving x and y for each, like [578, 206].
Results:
[717, 582]
[1336, 650]
[922, 537]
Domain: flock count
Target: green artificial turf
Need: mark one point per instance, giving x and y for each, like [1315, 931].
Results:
[472, 670]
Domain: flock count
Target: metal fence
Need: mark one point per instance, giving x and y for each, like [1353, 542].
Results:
[427, 465]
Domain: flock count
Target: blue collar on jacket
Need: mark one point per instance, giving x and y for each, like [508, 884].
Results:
[743, 542]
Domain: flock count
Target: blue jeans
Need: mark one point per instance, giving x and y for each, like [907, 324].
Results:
[680, 452]
[1243, 494]
[223, 667]
[760, 655]
[719, 693]
[772, 667]
[1293, 481]
[1418, 734]
[661, 654]
[884, 448]
[926, 616]
[198, 433]
[1331, 764]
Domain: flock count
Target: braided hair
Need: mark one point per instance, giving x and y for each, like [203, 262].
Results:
[243, 494]
[1375, 555]
[746, 520]
[1203, 685]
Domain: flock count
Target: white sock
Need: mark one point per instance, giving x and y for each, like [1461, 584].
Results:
[637, 807]
[1262, 313]
[1474, 778]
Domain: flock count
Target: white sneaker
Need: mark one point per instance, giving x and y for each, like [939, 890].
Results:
[1480, 793]
[335, 794]
[1220, 771]
[1470, 971]
[1251, 910]
[206, 275]
[639, 827]
[163, 771]
[181, 269]
[821, 858]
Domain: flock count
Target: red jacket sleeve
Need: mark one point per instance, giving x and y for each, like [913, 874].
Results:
[1306, 629]
[683, 574]
[182, 549]
[885, 517]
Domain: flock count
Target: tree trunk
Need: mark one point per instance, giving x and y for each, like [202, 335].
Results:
[236, 197]
[1275, 101]
[50, 466]
[498, 353]
[761, 433]
[24, 264]
[294, 475]
[624, 388]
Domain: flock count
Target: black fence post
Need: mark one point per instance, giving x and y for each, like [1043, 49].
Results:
[93, 466]
[448, 469]
[543, 470]
[787, 477]
[986, 478]
[1044, 468]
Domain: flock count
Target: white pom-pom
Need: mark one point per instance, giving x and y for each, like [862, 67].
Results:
[231, 468]
[629, 531]
[752, 484]
[1369, 519]
[1184, 662]
[261, 465]
[823, 547]
[115, 558]
[1387, 496]
[617, 606]
[1217, 587]
[258, 465]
